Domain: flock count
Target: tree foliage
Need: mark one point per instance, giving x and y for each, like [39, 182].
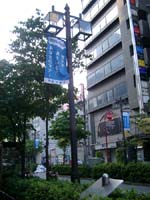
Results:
[60, 127]
[142, 122]
[23, 94]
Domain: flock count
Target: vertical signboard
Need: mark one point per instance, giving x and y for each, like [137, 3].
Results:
[126, 121]
[138, 58]
[36, 143]
[56, 69]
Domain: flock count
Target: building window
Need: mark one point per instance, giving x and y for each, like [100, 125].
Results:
[128, 24]
[107, 69]
[106, 44]
[101, 99]
[91, 78]
[99, 74]
[92, 103]
[131, 50]
[110, 96]
[117, 62]
[120, 90]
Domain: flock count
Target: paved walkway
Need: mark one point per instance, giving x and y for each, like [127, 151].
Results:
[139, 188]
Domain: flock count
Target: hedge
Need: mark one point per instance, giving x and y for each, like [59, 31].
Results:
[37, 189]
[132, 172]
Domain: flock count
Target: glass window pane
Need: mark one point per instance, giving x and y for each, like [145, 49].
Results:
[99, 74]
[111, 40]
[117, 62]
[105, 45]
[117, 35]
[107, 69]
[101, 99]
[110, 96]
[98, 50]
[91, 78]
[120, 90]
[92, 103]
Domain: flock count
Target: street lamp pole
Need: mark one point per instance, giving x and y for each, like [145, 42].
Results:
[123, 132]
[74, 173]
[81, 30]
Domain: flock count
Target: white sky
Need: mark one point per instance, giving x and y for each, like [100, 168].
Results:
[13, 11]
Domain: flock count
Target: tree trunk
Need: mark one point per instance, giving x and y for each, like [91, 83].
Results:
[64, 155]
[23, 156]
[46, 151]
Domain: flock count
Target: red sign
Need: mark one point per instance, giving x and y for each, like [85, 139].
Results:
[109, 116]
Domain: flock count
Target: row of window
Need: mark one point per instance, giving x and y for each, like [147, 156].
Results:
[107, 97]
[103, 23]
[107, 69]
[103, 46]
[97, 7]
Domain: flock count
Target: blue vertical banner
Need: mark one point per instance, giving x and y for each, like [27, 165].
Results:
[126, 121]
[56, 68]
[36, 143]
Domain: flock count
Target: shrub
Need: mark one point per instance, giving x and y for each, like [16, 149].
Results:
[34, 188]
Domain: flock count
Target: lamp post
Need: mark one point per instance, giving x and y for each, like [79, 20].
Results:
[74, 174]
[83, 33]
[123, 132]
[120, 102]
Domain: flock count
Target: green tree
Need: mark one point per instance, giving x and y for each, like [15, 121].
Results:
[60, 129]
[24, 93]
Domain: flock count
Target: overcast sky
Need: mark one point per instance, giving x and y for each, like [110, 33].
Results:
[13, 11]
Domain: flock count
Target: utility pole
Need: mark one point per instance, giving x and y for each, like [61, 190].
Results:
[123, 132]
[74, 174]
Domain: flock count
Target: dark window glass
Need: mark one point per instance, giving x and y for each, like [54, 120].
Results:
[128, 24]
[101, 99]
[131, 50]
[120, 90]
[99, 74]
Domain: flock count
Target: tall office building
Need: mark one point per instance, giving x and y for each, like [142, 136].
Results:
[118, 72]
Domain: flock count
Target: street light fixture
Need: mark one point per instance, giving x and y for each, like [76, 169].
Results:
[81, 31]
